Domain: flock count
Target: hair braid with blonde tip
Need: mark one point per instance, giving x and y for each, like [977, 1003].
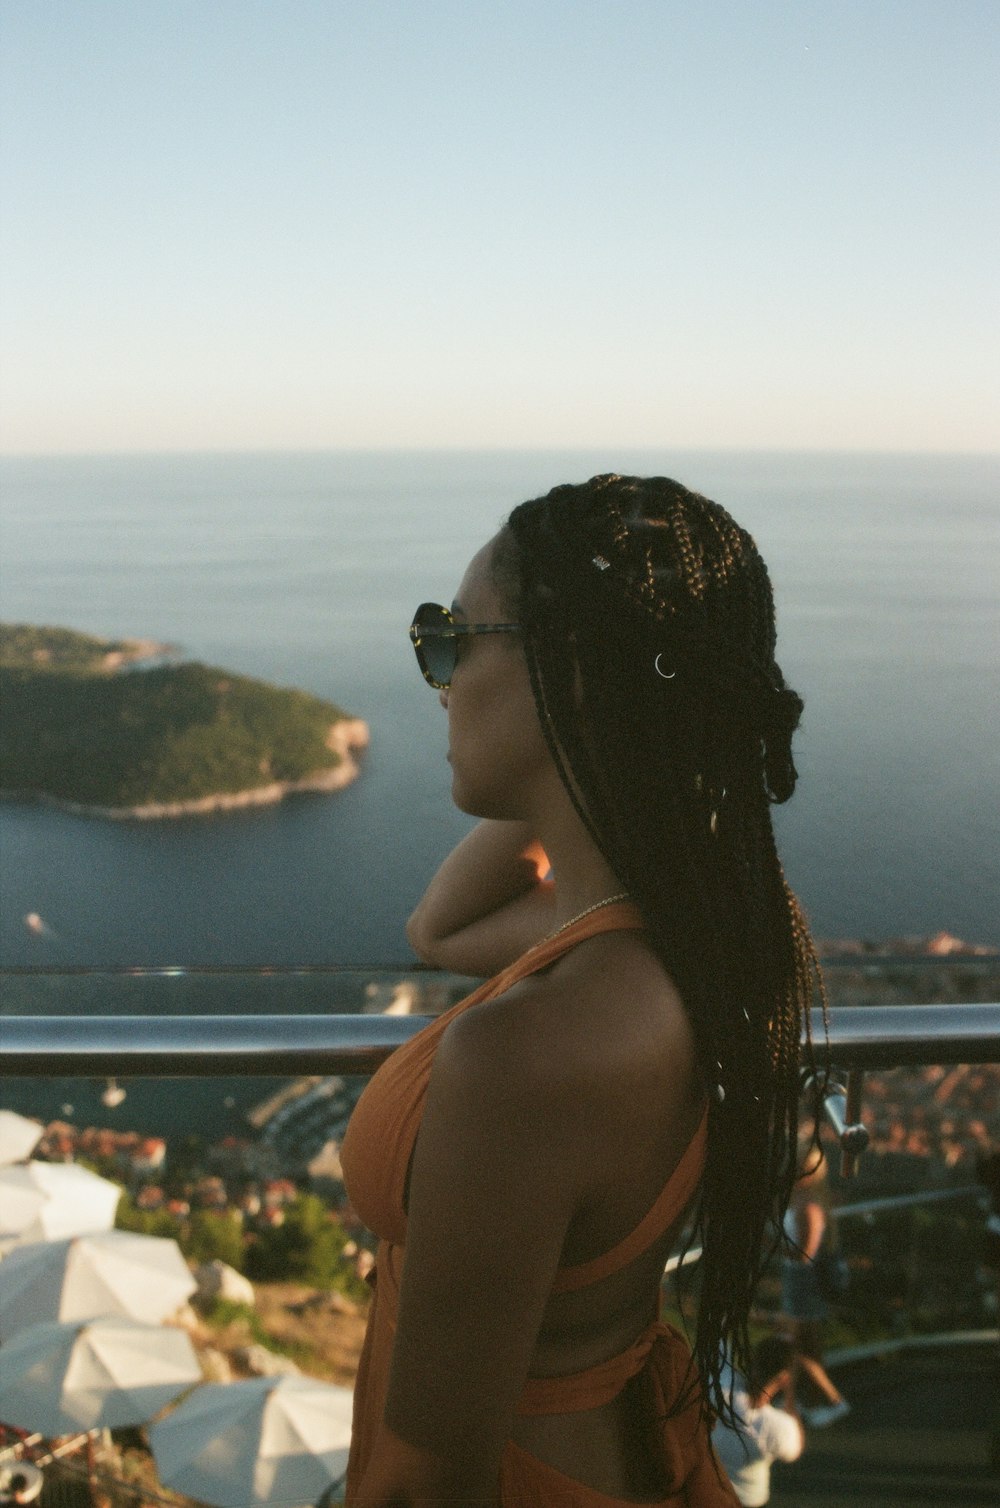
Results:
[674, 778]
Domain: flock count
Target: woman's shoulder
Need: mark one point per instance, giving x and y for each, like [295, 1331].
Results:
[593, 1061]
[606, 1014]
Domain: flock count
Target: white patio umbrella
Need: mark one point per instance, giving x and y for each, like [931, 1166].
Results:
[18, 1136]
[93, 1374]
[109, 1272]
[270, 1442]
[41, 1201]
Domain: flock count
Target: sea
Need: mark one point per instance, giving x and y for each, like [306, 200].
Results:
[304, 569]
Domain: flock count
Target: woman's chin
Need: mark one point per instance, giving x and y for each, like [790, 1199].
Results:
[459, 793]
[466, 802]
[475, 803]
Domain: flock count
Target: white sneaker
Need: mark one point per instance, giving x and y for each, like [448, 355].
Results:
[828, 1414]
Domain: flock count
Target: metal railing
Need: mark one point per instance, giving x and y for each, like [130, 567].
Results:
[208, 1045]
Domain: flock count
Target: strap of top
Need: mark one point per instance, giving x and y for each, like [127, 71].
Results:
[684, 1179]
[402, 1082]
[621, 917]
[674, 1196]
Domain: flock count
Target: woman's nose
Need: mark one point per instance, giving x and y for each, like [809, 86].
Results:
[443, 698]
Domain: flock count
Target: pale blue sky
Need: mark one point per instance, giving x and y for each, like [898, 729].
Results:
[293, 224]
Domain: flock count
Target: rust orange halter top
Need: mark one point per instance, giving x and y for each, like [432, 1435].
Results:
[375, 1157]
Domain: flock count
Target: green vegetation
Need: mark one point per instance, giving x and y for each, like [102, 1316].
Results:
[146, 1222]
[172, 733]
[214, 1236]
[221, 1314]
[307, 1247]
[23, 646]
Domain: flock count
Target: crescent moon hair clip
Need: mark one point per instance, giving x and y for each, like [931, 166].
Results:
[663, 673]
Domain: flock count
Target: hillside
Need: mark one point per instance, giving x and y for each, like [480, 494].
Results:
[25, 646]
[78, 729]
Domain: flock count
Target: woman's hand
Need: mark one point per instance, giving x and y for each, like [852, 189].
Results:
[487, 904]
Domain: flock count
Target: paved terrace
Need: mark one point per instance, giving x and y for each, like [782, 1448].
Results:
[923, 1428]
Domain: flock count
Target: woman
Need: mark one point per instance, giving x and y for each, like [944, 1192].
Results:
[617, 720]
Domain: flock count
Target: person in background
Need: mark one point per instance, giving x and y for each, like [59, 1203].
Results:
[619, 724]
[802, 1300]
[764, 1431]
[23, 1486]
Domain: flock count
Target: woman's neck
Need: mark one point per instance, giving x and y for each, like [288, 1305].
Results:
[582, 876]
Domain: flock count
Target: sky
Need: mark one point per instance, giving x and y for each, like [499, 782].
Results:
[344, 224]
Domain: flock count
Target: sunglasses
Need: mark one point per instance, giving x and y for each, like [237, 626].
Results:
[436, 635]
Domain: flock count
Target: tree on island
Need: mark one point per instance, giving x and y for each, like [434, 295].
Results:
[165, 736]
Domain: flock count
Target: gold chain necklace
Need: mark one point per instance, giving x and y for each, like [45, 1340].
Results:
[609, 900]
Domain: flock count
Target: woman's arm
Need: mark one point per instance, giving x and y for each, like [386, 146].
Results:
[812, 1224]
[496, 1178]
[404, 1476]
[487, 904]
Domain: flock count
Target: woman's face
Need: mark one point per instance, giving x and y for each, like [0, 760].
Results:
[500, 761]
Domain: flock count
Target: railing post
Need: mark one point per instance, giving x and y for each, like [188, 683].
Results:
[842, 1109]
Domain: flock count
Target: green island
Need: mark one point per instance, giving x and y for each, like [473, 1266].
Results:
[84, 727]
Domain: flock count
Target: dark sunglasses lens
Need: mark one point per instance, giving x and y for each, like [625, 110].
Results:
[437, 652]
[439, 657]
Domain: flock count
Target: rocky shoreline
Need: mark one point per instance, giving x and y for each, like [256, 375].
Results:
[345, 738]
[137, 652]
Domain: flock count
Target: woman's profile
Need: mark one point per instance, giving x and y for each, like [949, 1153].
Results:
[618, 722]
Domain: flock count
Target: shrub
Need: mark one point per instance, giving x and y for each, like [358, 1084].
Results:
[307, 1247]
[215, 1236]
[146, 1222]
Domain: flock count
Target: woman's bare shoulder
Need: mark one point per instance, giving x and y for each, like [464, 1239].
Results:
[604, 1019]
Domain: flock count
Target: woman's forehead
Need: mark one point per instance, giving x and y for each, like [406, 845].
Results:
[477, 593]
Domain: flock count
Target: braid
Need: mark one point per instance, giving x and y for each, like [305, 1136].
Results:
[674, 778]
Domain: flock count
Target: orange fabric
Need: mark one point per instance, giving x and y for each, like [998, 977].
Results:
[375, 1158]
[375, 1155]
[694, 1479]
[676, 1194]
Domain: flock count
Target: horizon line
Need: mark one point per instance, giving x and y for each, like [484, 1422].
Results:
[554, 449]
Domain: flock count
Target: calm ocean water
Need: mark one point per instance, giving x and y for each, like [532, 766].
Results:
[304, 569]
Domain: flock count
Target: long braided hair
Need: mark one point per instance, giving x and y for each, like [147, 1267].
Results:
[648, 627]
